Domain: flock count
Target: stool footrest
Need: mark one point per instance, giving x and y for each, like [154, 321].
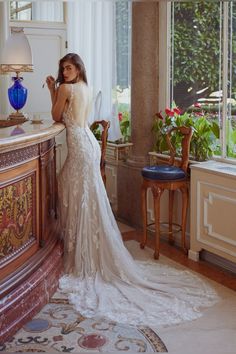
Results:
[177, 227]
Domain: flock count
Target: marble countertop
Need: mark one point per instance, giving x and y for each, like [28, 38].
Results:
[216, 167]
[28, 133]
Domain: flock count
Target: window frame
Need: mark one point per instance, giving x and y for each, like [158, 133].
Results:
[19, 9]
[165, 74]
[164, 55]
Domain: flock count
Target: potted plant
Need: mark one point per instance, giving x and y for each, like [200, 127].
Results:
[205, 131]
[119, 149]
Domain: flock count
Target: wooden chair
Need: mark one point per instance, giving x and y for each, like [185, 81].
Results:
[105, 126]
[171, 177]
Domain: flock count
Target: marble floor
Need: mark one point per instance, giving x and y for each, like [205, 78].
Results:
[215, 331]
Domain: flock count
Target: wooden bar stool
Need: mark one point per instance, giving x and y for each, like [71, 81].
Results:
[171, 177]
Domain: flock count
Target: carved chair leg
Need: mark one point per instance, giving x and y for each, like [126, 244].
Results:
[184, 191]
[171, 203]
[144, 212]
[157, 192]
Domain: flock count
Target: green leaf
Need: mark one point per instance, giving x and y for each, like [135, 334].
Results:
[215, 129]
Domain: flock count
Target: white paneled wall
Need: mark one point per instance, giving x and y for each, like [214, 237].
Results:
[213, 210]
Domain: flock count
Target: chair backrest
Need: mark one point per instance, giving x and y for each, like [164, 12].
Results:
[104, 134]
[186, 133]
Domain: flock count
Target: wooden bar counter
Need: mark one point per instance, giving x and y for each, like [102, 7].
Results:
[30, 248]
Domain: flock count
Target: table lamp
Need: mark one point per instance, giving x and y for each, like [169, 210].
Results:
[16, 57]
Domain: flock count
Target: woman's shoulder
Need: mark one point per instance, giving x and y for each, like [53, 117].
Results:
[65, 89]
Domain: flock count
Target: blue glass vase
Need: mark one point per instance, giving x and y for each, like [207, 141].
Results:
[17, 93]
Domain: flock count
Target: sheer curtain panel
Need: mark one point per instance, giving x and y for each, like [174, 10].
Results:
[91, 34]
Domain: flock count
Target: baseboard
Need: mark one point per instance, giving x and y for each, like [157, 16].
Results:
[218, 261]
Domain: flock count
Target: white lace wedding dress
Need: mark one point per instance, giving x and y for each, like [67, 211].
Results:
[101, 278]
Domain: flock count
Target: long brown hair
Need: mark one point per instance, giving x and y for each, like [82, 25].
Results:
[74, 59]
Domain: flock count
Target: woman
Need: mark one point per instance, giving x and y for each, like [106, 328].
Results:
[101, 278]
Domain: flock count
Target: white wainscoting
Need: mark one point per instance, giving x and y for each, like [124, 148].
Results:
[115, 154]
[213, 210]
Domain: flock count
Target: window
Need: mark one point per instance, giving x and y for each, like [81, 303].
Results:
[203, 65]
[36, 11]
[20, 10]
[123, 63]
[123, 34]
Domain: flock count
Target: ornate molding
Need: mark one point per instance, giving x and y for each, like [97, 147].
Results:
[8, 68]
[15, 157]
[46, 145]
[211, 231]
[26, 245]
[117, 152]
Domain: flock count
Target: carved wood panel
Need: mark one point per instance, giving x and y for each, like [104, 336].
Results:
[19, 222]
[12, 158]
[27, 209]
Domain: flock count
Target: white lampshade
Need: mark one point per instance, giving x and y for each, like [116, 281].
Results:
[16, 55]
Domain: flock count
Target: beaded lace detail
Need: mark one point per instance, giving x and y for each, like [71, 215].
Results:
[101, 277]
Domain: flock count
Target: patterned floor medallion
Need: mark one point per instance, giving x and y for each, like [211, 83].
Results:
[59, 328]
[92, 341]
[37, 325]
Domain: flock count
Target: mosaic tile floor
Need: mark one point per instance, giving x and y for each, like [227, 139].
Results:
[59, 328]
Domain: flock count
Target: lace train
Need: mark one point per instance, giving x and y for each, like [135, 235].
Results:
[166, 296]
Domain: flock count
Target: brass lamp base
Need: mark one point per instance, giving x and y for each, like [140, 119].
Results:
[18, 116]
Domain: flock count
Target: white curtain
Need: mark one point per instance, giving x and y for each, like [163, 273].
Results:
[47, 11]
[91, 34]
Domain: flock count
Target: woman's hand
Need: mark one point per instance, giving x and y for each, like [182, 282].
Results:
[51, 82]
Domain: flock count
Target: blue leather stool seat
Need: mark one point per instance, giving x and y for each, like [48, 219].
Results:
[163, 172]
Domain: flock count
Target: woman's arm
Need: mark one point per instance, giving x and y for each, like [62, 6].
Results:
[59, 99]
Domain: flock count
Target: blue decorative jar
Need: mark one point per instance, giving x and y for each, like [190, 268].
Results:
[17, 93]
